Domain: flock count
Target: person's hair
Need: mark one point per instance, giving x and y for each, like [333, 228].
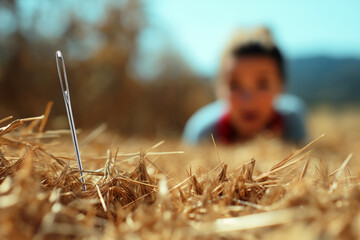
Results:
[255, 42]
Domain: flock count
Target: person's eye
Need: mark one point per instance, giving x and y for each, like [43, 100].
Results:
[263, 84]
[234, 86]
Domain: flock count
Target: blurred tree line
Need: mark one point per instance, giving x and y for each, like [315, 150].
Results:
[99, 57]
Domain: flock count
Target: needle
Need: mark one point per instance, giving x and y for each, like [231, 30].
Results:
[66, 94]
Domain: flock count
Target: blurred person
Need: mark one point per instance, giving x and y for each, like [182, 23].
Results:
[252, 100]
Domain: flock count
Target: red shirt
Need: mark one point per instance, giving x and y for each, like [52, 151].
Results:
[226, 132]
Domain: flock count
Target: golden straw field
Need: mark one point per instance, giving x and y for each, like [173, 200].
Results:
[155, 189]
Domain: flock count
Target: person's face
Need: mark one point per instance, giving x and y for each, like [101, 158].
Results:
[253, 83]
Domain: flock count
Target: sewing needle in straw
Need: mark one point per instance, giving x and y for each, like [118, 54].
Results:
[66, 94]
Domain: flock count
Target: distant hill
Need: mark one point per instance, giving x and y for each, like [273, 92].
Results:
[325, 79]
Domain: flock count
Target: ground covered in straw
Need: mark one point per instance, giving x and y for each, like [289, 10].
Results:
[137, 189]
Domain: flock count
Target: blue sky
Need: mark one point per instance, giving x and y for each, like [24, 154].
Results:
[199, 29]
